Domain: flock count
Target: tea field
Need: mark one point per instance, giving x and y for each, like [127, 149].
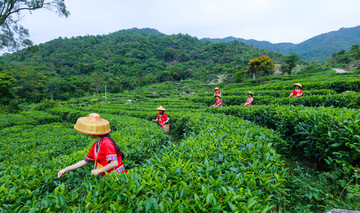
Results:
[279, 155]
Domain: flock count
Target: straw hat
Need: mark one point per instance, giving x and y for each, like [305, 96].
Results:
[216, 88]
[92, 125]
[217, 95]
[298, 84]
[160, 108]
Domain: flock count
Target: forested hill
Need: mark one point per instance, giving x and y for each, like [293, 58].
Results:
[318, 48]
[64, 68]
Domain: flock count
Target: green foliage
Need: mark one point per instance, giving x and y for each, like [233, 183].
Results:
[328, 136]
[314, 191]
[206, 171]
[66, 68]
[262, 65]
[45, 105]
[290, 63]
[211, 161]
[13, 35]
[6, 82]
[314, 99]
[343, 59]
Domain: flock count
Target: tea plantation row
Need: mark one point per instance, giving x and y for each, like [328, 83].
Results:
[351, 100]
[330, 135]
[234, 168]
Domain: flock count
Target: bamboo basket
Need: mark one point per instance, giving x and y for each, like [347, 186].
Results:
[166, 127]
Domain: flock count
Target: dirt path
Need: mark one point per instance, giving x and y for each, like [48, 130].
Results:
[219, 79]
[340, 70]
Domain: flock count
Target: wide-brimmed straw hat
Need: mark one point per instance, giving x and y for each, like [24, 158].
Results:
[160, 108]
[217, 95]
[92, 125]
[298, 84]
[216, 88]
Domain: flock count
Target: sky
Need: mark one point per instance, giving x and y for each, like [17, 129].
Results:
[266, 20]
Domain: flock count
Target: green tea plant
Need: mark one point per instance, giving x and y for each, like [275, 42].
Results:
[323, 134]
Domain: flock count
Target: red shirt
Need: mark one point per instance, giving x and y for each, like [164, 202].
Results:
[104, 152]
[218, 103]
[297, 93]
[162, 118]
[217, 92]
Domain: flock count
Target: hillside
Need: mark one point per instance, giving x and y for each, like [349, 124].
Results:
[318, 48]
[280, 154]
[73, 67]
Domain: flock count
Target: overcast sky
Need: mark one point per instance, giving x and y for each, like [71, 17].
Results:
[270, 20]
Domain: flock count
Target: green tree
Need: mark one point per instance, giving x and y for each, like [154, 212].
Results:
[238, 76]
[290, 63]
[355, 51]
[259, 66]
[170, 54]
[5, 83]
[13, 35]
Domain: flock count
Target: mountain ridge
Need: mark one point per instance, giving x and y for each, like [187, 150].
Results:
[317, 48]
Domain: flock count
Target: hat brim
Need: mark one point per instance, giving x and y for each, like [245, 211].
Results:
[299, 85]
[90, 126]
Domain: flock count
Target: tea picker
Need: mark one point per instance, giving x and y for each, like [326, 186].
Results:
[218, 102]
[250, 98]
[163, 119]
[297, 92]
[105, 154]
[217, 91]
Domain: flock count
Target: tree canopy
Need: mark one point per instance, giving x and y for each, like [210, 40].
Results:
[73, 67]
[290, 63]
[262, 65]
[15, 36]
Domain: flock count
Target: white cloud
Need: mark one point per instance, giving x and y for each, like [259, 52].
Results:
[271, 20]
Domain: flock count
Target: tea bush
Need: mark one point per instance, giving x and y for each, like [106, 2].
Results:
[232, 169]
[29, 180]
[351, 100]
[330, 135]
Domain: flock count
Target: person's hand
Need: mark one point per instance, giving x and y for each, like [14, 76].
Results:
[61, 172]
[95, 172]
[153, 120]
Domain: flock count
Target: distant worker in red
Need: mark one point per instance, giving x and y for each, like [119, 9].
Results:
[217, 91]
[297, 92]
[218, 102]
[106, 155]
[162, 117]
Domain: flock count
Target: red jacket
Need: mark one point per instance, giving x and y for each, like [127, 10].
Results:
[218, 103]
[102, 153]
[162, 118]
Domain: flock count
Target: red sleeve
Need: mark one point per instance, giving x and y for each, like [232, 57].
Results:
[90, 156]
[109, 150]
[293, 92]
[165, 116]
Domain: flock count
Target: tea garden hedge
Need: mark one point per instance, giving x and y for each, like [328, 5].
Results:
[281, 154]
